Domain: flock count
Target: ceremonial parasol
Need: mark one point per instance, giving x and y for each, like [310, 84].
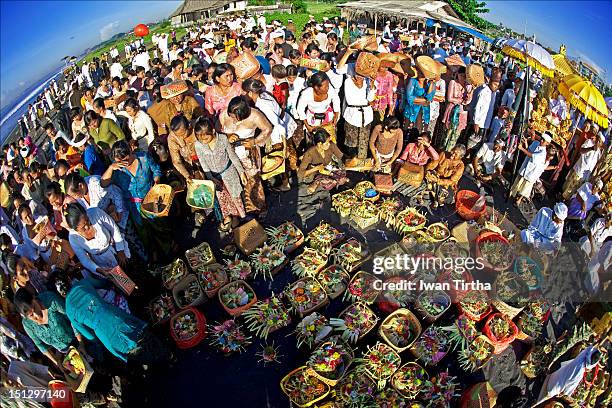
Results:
[562, 64]
[582, 94]
[534, 55]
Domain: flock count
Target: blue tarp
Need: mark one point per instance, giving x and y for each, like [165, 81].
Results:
[473, 32]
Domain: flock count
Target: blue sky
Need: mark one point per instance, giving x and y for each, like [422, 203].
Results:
[583, 26]
[35, 35]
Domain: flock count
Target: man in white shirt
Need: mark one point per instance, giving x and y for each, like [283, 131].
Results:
[590, 153]
[483, 109]
[489, 161]
[532, 168]
[162, 43]
[546, 229]
[116, 69]
[141, 59]
[321, 38]
[387, 31]
[261, 22]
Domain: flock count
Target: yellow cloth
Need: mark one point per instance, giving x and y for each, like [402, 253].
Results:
[4, 195]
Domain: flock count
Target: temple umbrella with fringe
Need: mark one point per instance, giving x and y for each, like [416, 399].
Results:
[582, 94]
[531, 53]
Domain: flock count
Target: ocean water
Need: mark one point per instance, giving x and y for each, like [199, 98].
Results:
[10, 114]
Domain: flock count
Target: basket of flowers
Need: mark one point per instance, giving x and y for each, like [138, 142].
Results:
[365, 214]
[330, 361]
[306, 296]
[453, 249]
[529, 327]
[462, 332]
[380, 362]
[173, 273]
[238, 269]
[344, 202]
[188, 292]
[228, 337]
[188, 328]
[500, 330]
[432, 304]
[409, 220]
[356, 390]
[409, 380]
[361, 288]
[161, 309]
[475, 305]
[465, 204]
[477, 353]
[438, 232]
[324, 237]
[286, 237]
[418, 242]
[312, 330]
[334, 280]
[354, 322]
[440, 390]
[267, 261]
[199, 256]
[392, 251]
[394, 295]
[432, 346]
[400, 329]
[510, 294]
[350, 255]
[494, 250]
[77, 368]
[361, 189]
[538, 307]
[304, 390]
[309, 263]
[267, 316]
[212, 277]
[237, 297]
[387, 209]
[529, 271]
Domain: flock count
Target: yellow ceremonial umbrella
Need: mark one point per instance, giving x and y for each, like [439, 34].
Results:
[534, 55]
[582, 94]
[562, 64]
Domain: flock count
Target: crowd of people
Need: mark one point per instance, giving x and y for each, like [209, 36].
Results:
[254, 107]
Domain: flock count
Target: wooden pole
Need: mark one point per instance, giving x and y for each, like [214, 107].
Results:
[522, 101]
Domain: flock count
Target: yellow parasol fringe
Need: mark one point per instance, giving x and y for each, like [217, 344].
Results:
[530, 61]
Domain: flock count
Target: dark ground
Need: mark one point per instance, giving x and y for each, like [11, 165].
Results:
[204, 377]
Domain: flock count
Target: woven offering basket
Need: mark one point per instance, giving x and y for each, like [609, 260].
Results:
[362, 306]
[367, 65]
[245, 65]
[219, 272]
[406, 393]
[158, 201]
[238, 310]
[439, 294]
[315, 307]
[414, 322]
[191, 187]
[333, 381]
[500, 345]
[440, 226]
[249, 236]
[341, 286]
[167, 270]
[284, 383]
[181, 285]
[185, 343]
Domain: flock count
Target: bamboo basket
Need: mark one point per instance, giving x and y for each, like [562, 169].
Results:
[192, 253]
[221, 275]
[375, 292]
[239, 310]
[314, 308]
[503, 307]
[404, 393]
[182, 284]
[363, 306]
[80, 383]
[159, 194]
[329, 381]
[439, 225]
[166, 270]
[299, 370]
[171, 310]
[388, 319]
[402, 228]
[342, 285]
[200, 321]
[428, 316]
[249, 236]
[191, 189]
[381, 381]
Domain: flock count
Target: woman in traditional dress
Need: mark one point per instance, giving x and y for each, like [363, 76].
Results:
[458, 96]
[240, 123]
[140, 124]
[359, 93]
[419, 94]
[384, 101]
[319, 172]
[283, 125]
[386, 143]
[224, 88]
[414, 158]
[443, 175]
[221, 165]
[318, 106]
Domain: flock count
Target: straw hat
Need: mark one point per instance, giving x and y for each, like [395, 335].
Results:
[174, 88]
[475, 75]
[441, 67]
[454, 59]
[428, 66]
[404, 66]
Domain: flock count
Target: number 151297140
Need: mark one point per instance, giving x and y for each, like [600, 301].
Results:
[37, 394]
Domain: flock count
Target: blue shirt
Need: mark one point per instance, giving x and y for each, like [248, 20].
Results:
[93, 162]
[439, 55]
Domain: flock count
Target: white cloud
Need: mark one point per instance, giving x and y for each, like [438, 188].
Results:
[108, 30]
[22, 83]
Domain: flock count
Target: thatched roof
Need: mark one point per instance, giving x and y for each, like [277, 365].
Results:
[411, 9]
[191, 6]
